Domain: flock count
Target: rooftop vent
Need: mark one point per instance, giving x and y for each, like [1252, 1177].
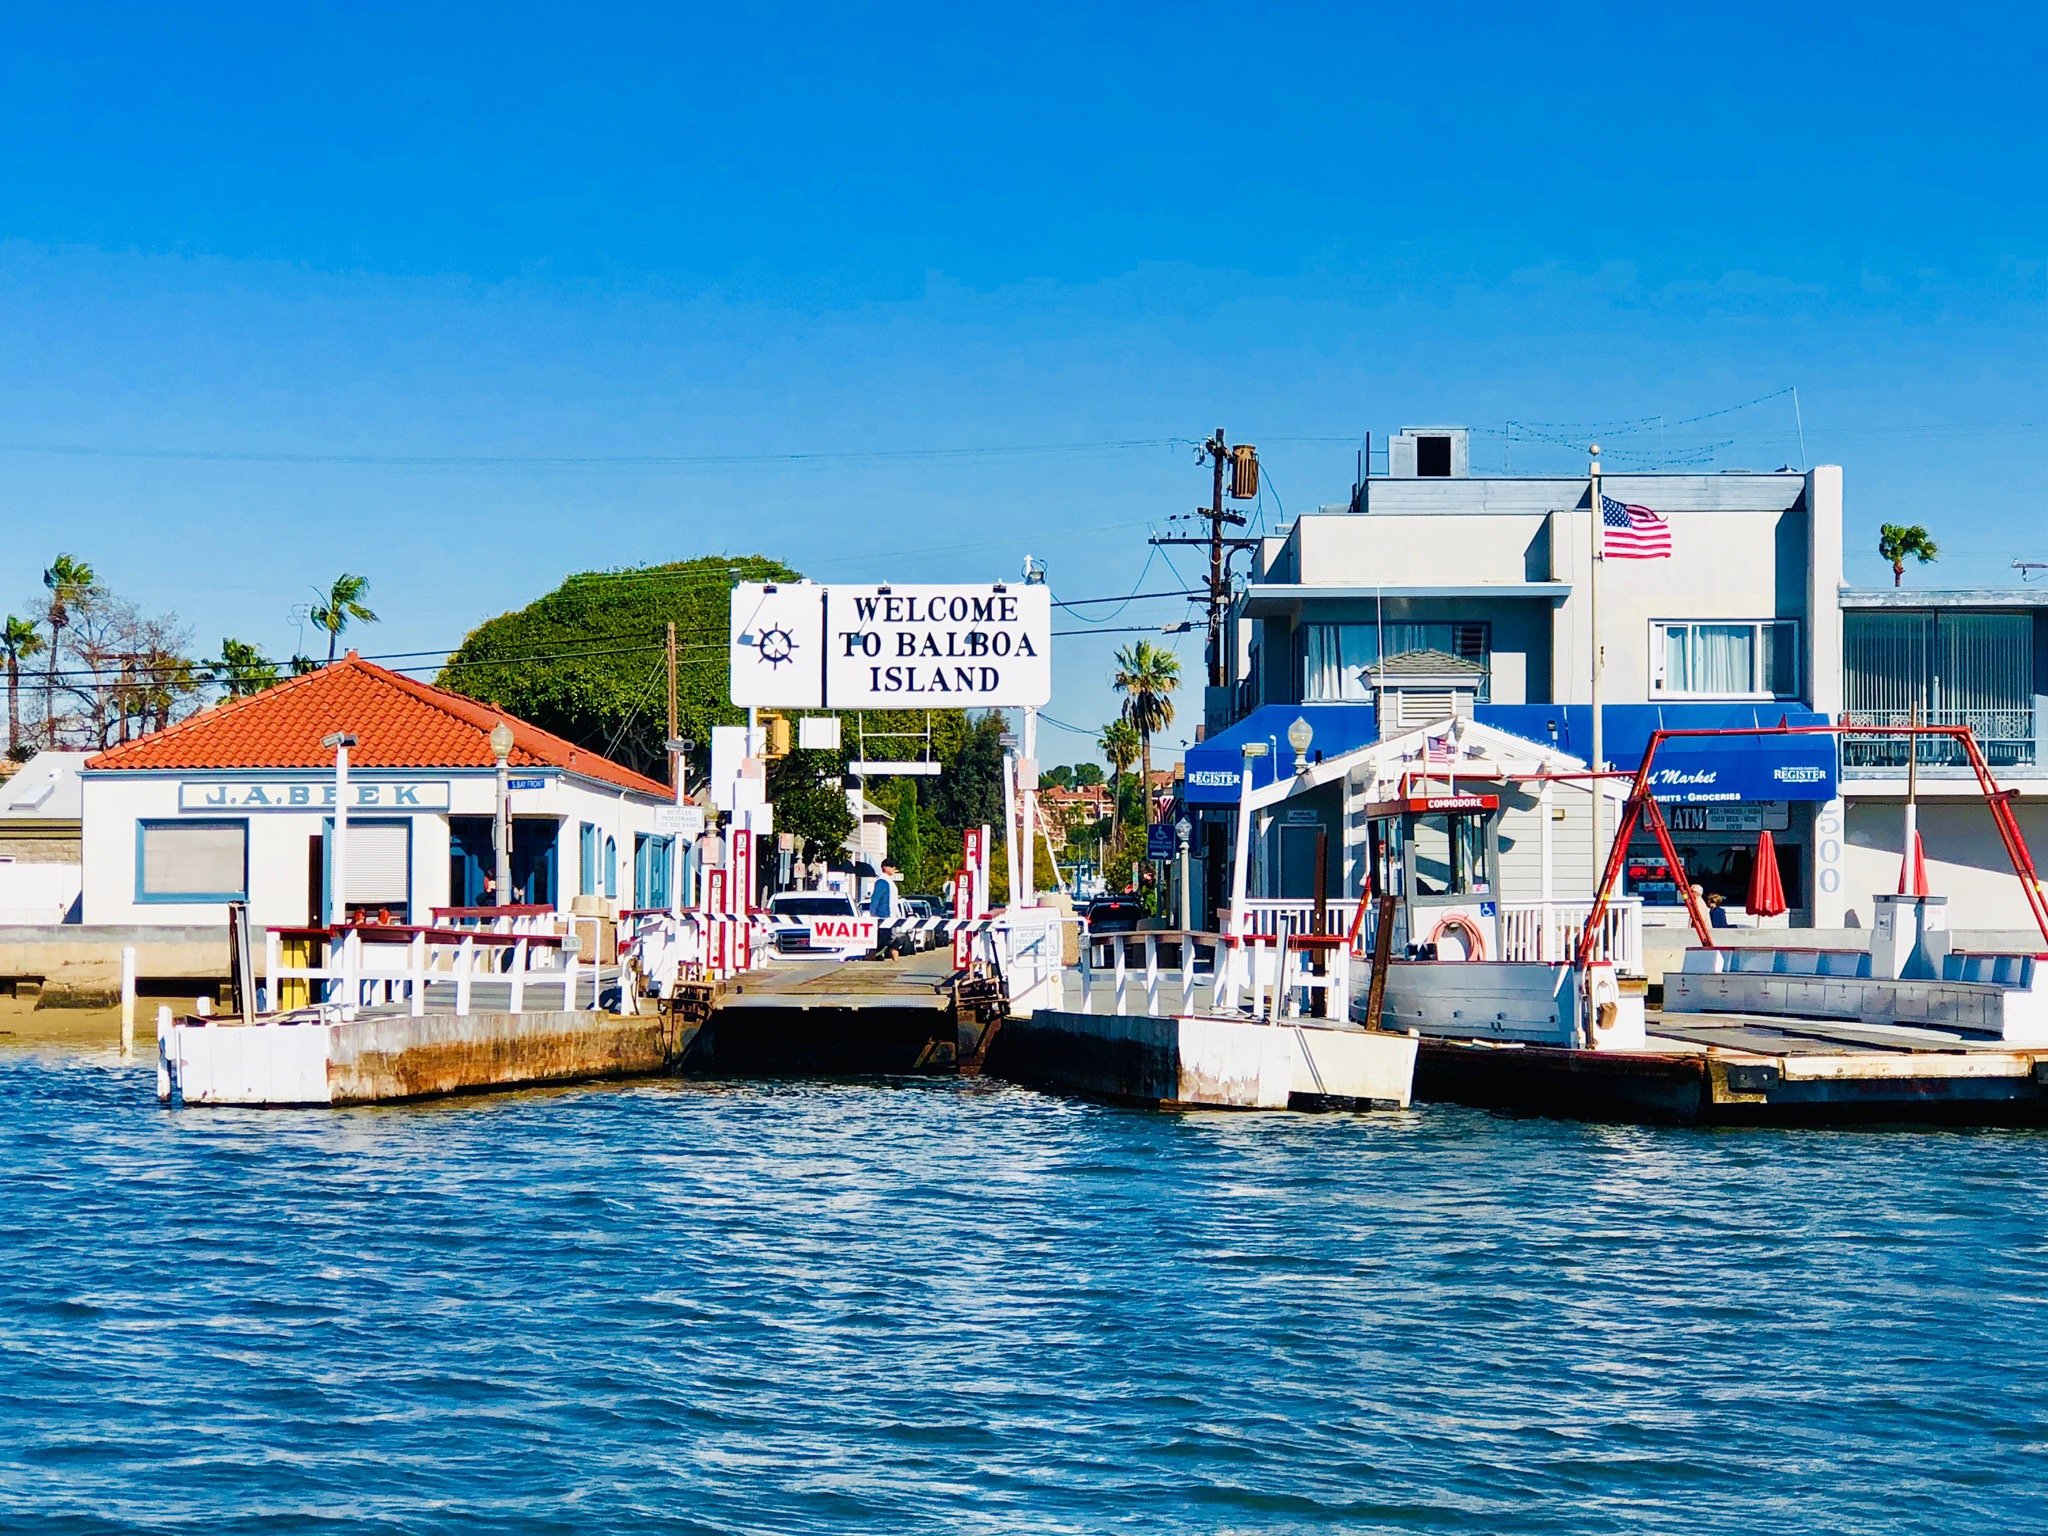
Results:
[1429, 453]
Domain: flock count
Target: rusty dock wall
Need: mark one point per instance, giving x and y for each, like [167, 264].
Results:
[382, 1057]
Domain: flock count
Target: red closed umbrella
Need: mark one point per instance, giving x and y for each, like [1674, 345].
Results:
[1913, 870]
[1766, 889]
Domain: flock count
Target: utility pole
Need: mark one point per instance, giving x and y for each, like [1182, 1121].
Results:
[1243, 463]
[675, 770]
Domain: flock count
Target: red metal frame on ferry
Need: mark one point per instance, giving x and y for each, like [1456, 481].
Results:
[1642, 805]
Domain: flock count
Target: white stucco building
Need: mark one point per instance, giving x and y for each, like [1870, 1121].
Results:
[237, 803]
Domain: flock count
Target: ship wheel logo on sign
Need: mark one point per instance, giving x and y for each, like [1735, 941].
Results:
[777, 646]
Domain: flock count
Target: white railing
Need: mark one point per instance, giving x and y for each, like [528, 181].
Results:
[1268, 917]
[1548, 932]
[378, 966]
[1170, 971]
[1026, 947]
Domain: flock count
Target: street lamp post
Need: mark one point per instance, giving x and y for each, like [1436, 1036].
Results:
[337, 859]
[1183, 831]
[501, 751]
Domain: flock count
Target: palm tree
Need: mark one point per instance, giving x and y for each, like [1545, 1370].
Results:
[340, 606]
[21, 642]
[240, 671]
[1119, 748]
[68, 580]
[1146, 676]
[1900, 542]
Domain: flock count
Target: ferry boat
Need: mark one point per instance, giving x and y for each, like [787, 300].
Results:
[1905, 1028]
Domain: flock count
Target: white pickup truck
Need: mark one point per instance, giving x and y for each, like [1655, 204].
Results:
[818, 925]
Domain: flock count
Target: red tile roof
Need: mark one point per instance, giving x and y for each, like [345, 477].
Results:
[397, 723]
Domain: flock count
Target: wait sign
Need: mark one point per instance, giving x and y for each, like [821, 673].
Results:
[891, 647]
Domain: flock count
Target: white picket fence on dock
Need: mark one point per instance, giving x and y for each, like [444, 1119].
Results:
[1539, 931]
[447, 970]
[1171, 971]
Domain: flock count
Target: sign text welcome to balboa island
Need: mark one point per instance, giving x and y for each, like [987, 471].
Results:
[891, 647]
[388, 796]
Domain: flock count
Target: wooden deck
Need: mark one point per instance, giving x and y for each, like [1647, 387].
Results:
[916, 982]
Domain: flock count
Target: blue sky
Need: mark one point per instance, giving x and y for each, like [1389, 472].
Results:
[259, 263]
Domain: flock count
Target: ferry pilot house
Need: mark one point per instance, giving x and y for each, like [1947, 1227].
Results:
[237, 804]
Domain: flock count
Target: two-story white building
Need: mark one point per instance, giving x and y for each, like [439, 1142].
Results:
[237, 803]
[1432, 567]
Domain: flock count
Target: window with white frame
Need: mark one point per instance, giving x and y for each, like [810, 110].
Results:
[192, 861]
[1334, 657]
[1725, 658]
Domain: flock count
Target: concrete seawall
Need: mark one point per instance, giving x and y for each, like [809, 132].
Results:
[72, 965]
[396, 1056]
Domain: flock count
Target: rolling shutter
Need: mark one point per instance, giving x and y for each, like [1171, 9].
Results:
[195, 859]
[379, 859]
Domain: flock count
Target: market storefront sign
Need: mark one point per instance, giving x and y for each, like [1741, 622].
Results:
[1757, 816]
[387, 796]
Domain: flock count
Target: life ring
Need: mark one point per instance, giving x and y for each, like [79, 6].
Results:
[1475, 941]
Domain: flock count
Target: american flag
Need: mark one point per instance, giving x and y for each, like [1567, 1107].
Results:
[1438, 750]
[1632, 533]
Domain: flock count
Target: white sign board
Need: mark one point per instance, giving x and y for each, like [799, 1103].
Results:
[680, 821]
[778, 644]
[892, 647]
[818, 733]
[386, 796]
[938, 647]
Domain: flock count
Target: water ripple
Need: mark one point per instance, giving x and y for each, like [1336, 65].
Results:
[826, 1307]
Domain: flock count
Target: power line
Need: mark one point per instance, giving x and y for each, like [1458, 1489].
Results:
[576, 461]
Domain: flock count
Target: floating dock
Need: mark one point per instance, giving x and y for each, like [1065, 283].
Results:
[1733, 1069]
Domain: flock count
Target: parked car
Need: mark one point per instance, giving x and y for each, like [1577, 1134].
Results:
[918, 909]
[819, 925]
[1115, 914]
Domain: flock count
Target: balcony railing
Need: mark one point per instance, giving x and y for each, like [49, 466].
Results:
[2006, 736]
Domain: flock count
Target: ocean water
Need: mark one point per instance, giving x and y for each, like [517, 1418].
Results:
[965, 1307]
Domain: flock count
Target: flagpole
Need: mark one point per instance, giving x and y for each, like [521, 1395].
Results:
[1599, 852]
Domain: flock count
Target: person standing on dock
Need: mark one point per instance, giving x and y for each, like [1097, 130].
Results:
[882, 894]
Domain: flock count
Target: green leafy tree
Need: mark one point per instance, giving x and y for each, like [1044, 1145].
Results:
[1087, 775]
[969, 793]
[1119, 748]
[1900, 542]
[70, 581]
[808, 792]
[23, 642]
[1146, 675]
[240, 670]
[340, 606]
[585, 661]
[906, 833]
[1060, 777]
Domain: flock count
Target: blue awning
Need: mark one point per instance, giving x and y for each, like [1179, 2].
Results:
[1215, 768]
[1690, 770]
